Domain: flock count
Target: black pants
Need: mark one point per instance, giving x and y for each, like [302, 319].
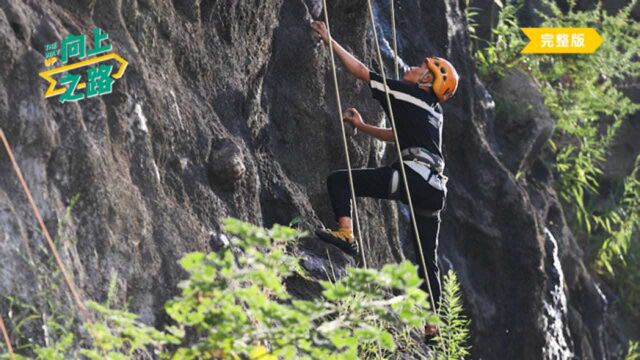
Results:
[378, 183]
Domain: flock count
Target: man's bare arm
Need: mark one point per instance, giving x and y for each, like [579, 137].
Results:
[353, 65]
[353, 117]
[380, 133]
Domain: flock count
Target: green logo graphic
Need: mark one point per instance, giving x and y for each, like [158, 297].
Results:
[98, 79]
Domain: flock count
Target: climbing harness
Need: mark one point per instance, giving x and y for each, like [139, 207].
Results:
[425, 156]
[25, 188]
[399, 151]
[344, 139]
[433, 178]
[428, 165]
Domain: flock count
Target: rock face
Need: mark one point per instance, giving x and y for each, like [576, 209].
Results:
[228, 109]
[522, 124]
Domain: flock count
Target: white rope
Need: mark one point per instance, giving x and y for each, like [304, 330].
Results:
[402, 170]
[344, 139]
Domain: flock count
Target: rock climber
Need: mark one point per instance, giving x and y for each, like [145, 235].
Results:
[415, 101]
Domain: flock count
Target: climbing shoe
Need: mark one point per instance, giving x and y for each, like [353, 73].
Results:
[343, 239]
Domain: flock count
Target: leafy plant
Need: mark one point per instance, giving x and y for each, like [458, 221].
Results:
[633, 352]
[471, 13]
[119, 335]
[579, 90]
[454, 326]
[48, 318]
[502, 51]
[584, 93]
[619, 255]
[621, 224]
[585, 96]
[234, 305]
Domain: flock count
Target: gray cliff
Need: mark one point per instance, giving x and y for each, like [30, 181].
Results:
[227, 108]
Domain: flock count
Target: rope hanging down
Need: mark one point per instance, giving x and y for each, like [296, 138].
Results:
[344, 138]
[45, 232]
[5, 334]
[402, 170]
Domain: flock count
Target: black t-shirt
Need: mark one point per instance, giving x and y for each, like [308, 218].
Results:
[417, 114]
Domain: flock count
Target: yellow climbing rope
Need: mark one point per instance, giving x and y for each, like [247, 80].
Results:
[344, 139]
[399, 151]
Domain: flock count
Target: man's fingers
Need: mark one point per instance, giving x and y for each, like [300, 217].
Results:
[349, 114]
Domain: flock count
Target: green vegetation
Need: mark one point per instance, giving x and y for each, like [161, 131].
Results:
[585, 95]
[502, 50]
[47, 311]
[619, 254]
[633, 352]
[454, 328]
[234, 305]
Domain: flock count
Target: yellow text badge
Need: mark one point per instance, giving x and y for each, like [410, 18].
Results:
[561, 40]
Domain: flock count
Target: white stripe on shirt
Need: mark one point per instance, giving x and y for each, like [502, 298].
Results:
[406, 97]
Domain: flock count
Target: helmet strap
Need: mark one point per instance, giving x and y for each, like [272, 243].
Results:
[424, 74]
[422, 85]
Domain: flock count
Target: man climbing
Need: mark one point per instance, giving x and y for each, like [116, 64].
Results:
[418, 116]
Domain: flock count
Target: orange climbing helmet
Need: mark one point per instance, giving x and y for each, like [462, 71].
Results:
[446, 77]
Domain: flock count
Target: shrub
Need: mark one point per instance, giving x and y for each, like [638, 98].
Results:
[234, 305]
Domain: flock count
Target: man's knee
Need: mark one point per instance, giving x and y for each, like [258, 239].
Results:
[394, 185]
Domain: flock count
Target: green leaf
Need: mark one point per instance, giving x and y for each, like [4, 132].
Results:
[386, 341]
